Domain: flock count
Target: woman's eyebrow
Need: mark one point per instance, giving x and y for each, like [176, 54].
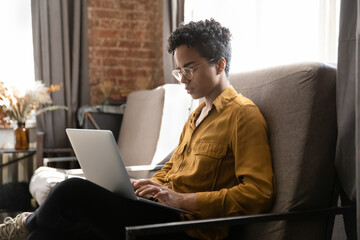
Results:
[188, 64]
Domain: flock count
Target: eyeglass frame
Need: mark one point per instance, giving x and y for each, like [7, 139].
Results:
[181, 71]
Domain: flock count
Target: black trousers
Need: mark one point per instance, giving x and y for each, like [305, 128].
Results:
[79, 209]
[349, 217]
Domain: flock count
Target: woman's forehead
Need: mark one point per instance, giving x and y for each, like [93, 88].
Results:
[184, 55]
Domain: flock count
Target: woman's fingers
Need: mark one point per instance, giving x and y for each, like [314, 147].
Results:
[147, 190]
[150, 189]
[144, 182]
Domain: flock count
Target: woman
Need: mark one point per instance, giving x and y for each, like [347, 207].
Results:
[221, 166]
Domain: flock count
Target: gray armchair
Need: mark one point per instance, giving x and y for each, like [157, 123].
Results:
[298, 103]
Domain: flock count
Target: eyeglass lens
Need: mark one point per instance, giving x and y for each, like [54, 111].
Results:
[183, 72]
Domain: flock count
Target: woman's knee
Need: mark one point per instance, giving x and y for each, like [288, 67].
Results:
[69, 189]
[70, 184]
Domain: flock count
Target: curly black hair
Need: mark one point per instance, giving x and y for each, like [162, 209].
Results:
[208, 37]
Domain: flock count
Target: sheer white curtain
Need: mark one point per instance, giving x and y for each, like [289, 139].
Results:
[16, 45]
[273, 32]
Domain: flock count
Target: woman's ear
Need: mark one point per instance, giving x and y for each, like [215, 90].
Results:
[220, 65]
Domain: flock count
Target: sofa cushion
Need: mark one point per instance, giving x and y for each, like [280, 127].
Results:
[45, 178]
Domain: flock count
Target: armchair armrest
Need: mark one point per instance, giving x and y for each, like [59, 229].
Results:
[58, 159]
[149, 170]
[77, 172]
[144, 167]
[136, 231]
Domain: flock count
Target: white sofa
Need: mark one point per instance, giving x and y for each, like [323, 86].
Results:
[150, 131]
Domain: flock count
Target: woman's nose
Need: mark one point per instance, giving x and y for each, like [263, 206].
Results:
[184, 80]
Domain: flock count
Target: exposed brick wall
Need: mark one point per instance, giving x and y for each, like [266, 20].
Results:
[125, 47]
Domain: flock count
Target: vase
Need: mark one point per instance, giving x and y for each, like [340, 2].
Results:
[21, 137]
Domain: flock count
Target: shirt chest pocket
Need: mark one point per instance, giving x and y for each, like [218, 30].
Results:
[213, 150]
[208, 158]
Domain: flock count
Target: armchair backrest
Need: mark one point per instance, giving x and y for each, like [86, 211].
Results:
[298, 103]
[152, 124]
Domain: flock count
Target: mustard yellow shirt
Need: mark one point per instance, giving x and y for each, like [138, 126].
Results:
[226, 160]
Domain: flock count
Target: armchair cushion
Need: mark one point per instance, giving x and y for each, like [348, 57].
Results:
[43, 180]
[298, 103]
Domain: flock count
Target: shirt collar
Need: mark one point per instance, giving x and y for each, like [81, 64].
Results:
[224, 98]
[219, 103]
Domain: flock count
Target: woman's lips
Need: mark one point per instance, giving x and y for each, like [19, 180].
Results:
[189, 90]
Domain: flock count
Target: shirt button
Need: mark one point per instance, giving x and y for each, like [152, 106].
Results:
[189, 150]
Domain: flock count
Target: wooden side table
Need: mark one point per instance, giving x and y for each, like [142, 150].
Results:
[12, 164]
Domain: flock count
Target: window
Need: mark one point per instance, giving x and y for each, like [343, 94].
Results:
[273, 32]
[16, 45]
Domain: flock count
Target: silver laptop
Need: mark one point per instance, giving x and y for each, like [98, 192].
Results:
[99, 157]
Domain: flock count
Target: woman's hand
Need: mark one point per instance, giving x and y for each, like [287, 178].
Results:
[151, 189]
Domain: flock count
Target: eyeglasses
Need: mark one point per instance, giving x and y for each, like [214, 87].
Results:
[186, 72]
